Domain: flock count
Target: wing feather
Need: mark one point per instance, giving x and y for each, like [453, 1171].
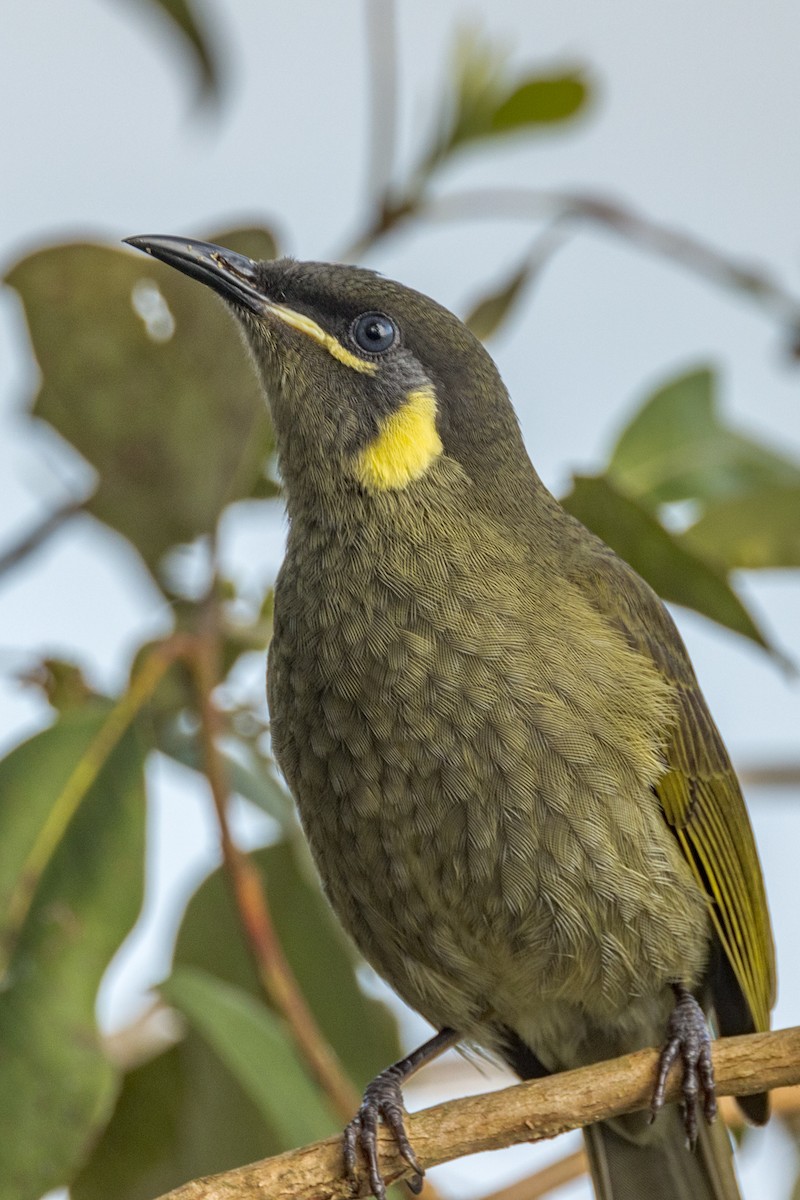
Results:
[699, 792]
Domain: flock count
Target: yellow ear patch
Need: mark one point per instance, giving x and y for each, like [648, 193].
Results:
[406, 445]
[311, 329]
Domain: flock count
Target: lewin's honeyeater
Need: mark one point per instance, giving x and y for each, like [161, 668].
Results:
[519, 805]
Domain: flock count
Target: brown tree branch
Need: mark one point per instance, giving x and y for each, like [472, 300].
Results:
[785, 1103]
[542, 1183]
[752, 281]
[527, 204]
[528, 1112]
[274, 973]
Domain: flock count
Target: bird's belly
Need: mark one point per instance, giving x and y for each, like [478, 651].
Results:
[491, 843]
[473, 898]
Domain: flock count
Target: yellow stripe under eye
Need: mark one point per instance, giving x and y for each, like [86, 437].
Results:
[311, 329]
[406, 445]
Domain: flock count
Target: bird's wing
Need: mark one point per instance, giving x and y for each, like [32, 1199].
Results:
[699, 792]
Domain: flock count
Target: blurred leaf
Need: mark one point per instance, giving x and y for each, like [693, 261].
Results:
[183, 18]
[245, 629]
[179, 1116]
[254, 241]
[183, 1115]
[56, 1087]
[266, 489]
[677, 574]
[362, 1031]
[247, 775]
[485, 102]
[676, 447]
[253, 779]
[145, 375]
[63, 684]
[255, 1047]
[541, 100]
[488, 314]
[758, 529]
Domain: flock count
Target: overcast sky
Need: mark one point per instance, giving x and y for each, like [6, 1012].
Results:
[696, 123]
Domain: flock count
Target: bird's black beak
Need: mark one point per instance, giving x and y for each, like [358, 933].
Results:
[232, 275]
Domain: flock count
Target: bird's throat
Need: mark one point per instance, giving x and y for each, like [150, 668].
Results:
[407, 444]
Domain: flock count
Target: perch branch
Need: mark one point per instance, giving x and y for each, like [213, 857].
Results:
[274, 973]
[528, 1112]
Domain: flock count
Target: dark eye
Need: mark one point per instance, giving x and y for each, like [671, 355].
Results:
[374, 333]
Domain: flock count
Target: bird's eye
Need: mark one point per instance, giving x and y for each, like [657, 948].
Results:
[374, 333]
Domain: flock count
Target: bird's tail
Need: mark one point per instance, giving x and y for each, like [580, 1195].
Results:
[662, 1168]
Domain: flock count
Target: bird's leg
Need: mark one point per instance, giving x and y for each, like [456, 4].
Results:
[689, 1040]
[384, 1098]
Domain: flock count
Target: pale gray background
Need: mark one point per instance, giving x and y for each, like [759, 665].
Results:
[697, 123]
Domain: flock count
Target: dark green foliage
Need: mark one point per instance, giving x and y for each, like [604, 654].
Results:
[360, 1030]
[237, 1045]
[57, 1087]
[739, 498]
[145, 395]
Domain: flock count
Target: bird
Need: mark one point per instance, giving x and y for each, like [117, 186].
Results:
[517, 800]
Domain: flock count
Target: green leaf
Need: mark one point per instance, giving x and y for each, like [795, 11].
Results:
[488, 314]
[248, 775]
[485, 102]
[179, 1116]
[182, 16]
[676, 447]
[144, 374]
[541, 100]
[362, 1031]
[756, 530]
[184, 1115]
[56, 1087]
[253, 778]
[255, 1047]
[62, 683]
[677, 574]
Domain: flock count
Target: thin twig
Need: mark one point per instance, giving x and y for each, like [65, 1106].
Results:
[275, 974]
[542, 1183]
[529, 1112]
[528, 204]
[770, 775]
[380, 19]
[39, 534]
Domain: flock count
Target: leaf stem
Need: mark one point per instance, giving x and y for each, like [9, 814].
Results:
[39, 534]
[527, 204]
[380, 17]
[274, 973]
[752, 281]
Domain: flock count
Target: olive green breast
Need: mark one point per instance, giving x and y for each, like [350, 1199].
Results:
[472, 749]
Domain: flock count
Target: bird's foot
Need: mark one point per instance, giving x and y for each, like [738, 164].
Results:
[383, 1098]
[688, 1039]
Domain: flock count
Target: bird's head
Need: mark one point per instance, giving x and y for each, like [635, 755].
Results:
[370, 383]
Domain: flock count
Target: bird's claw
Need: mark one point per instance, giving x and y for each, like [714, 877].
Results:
[688, 1039]
[383, 1098]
